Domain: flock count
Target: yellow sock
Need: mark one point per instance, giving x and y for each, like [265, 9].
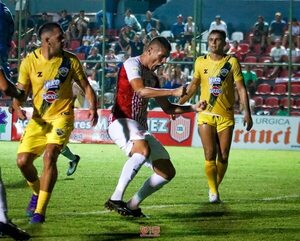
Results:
[221, 169]
[42, 203]
[211, 173]
[35, 186]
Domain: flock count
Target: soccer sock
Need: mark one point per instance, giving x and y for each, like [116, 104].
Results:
[66, 152]
[42, 203]
[35, 186]
[221, 169]
[211, 173]
[3, 203]
[130, 169]
[151, 185]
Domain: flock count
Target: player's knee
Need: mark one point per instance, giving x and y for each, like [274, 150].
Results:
[22, 162]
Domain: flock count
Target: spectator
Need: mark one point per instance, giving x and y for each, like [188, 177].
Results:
[276, 29]
[177, 28]
[250, 79]
[111, 11]
[92, 67]
[218, 24]
[189, 29]
[295, 29]
[88, 37]
[81, 23]
[42, 20]
[65, 20]
[235, 50]
[295, 56]
[259, 33]
[279, 55]
[282, 111]
[177, 54]
[136, 46]
[34, 43]
[152, 34]
[125, 33]
[131, 21]
[149, 23]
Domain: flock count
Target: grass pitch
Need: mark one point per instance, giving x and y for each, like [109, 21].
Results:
[260, 192]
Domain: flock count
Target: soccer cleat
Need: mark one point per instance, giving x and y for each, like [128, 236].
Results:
[213, 198]
[73, 165]
[37, 218]
[32, 205]
[10, 229]
[121, 208]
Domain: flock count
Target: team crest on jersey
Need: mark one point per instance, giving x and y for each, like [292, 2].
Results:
[59, 132]
[224, 72]
[180, 129]
[50, 96]
[63, 71]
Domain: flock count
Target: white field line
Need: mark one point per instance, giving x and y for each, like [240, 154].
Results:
[182, 205]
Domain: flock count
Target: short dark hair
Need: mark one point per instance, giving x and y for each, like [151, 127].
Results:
[162, 41]
[221, 32]
[48, 27]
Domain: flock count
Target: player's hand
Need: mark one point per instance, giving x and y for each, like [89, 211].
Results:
[181, 91]
[173, 116]
[21, 114]
[93, 116]
[200, 106]
[248, 121]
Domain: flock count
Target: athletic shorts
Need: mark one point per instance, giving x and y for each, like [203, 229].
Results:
[124, 131]
[39, 133]
[219, 122]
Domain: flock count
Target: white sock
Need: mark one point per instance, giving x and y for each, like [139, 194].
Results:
[151, 185]
[3, 203]
[130, 169]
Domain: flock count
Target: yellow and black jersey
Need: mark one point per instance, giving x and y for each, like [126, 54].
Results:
[51, 82]
[217, 80]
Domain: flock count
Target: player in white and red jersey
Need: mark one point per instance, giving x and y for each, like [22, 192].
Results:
[136, 83]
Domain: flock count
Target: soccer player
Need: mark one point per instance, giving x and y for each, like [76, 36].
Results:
[217, 74]
[7, 29]
[128, 128]
[47, 73]
[73, 160]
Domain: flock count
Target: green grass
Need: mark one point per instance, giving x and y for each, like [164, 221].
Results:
[261, 197]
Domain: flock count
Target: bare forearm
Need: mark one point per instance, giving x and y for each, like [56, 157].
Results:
[148, 92]
[91, 97]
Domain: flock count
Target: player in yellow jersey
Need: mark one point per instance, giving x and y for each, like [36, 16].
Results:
[218, 75]
[48, 73]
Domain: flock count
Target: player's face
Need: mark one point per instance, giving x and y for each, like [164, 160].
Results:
[56, 40]
[216, 43]
[157, 57]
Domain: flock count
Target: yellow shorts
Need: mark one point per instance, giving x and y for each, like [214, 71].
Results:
[219, 122]
[39, 133]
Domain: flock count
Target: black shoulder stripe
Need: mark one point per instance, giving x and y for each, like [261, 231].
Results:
[35, 54]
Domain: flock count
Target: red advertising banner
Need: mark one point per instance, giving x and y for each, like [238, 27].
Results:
[176, 132]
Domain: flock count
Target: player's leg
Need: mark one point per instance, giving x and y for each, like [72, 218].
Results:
[47, 181]
[208, 135]
[224, 143]
[164, 172]
[73, 159]
[28, 170]
[6, 226]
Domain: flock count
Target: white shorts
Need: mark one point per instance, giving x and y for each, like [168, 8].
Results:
[124, 131]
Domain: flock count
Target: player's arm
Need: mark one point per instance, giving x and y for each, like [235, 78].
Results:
[9, 88]
[171, 108]
[190, 91]
[148, 92]
[17, 103]
[244, 100]
[91, 97]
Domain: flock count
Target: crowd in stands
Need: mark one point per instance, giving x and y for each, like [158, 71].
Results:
[264, 44]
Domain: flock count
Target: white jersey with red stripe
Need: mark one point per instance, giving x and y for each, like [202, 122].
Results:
[128, 104]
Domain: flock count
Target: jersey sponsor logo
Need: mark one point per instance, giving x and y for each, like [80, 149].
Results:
[63, 71]
[52, 84]
[215, 90]
[214, 80]
[50, 96]
[180, 129]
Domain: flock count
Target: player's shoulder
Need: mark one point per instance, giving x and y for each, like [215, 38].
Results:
[133, 61]
[69, 54]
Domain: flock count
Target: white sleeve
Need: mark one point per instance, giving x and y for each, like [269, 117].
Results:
[133, 69]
